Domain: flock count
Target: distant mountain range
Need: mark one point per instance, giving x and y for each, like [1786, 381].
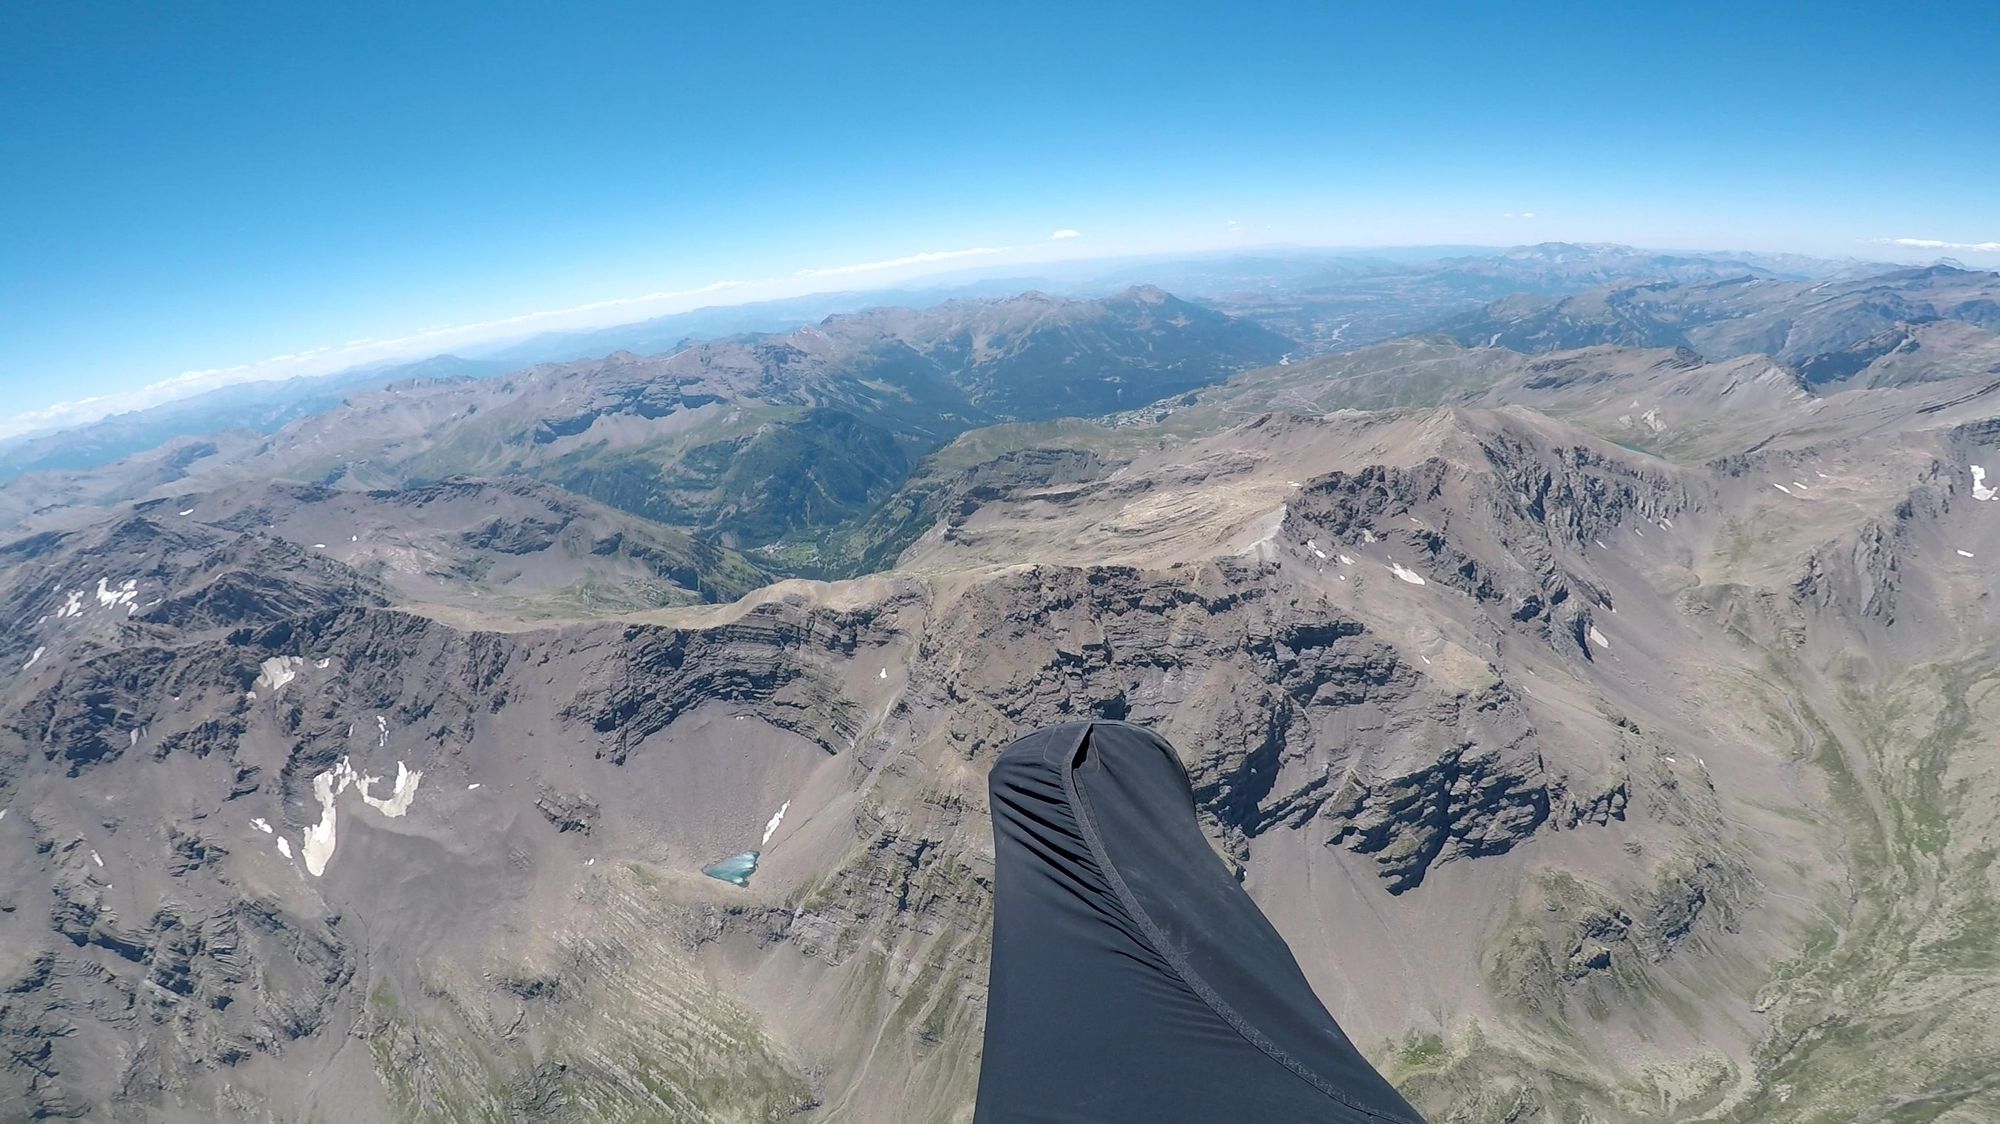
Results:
[750, 439]
[1792, 321]
[257, 407]
[1321, 300]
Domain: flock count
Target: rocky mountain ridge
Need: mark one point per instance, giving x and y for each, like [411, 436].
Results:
[1598, 760]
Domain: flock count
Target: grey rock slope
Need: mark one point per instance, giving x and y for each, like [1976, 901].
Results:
[1596, 767]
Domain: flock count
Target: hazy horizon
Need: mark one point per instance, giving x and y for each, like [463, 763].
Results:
[360, 355]
[883, 275]
[233, 194]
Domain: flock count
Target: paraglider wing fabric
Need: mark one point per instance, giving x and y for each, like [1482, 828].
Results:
[1132, 978]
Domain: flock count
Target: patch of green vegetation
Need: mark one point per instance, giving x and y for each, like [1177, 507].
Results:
[1419, 1052]
[797, 555]
[1472, 1077]
[1887, 1007]
[1521, 968]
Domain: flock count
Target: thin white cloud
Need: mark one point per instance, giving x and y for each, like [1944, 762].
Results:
[1065, 232]
[1937, 244]
[897, 263]
[1522, 215]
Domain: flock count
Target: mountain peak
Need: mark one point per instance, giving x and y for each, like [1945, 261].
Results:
[1146, 294]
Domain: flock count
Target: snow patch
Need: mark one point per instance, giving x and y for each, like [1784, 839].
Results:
[1965, 554]
[95, 859]
[1367, 535]
[1597, 638]
[1406, 574]
[1979, 489]
[884, 674]
[399, 798]
[284, 847]
[1344, 559]
[33, 658]
[261, 825]
[382, 728]
[189, 511]
[108, 598]
[320, 838]
[274, 673]
[1800, 487]
[1781, 488]
[771, 826]
[473, 785]
[72, 606]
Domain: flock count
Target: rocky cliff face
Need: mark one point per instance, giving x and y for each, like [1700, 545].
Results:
[1534, 748]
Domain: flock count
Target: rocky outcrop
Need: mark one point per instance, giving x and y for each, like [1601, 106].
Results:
[1475, 801]
[1858, 577]
[198, 985]
[567, 811]
[1508, 527]
[774, 659]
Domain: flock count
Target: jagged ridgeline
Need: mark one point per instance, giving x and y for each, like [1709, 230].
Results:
[1600, 727]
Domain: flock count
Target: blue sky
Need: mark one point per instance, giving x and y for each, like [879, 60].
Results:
[203, 187]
